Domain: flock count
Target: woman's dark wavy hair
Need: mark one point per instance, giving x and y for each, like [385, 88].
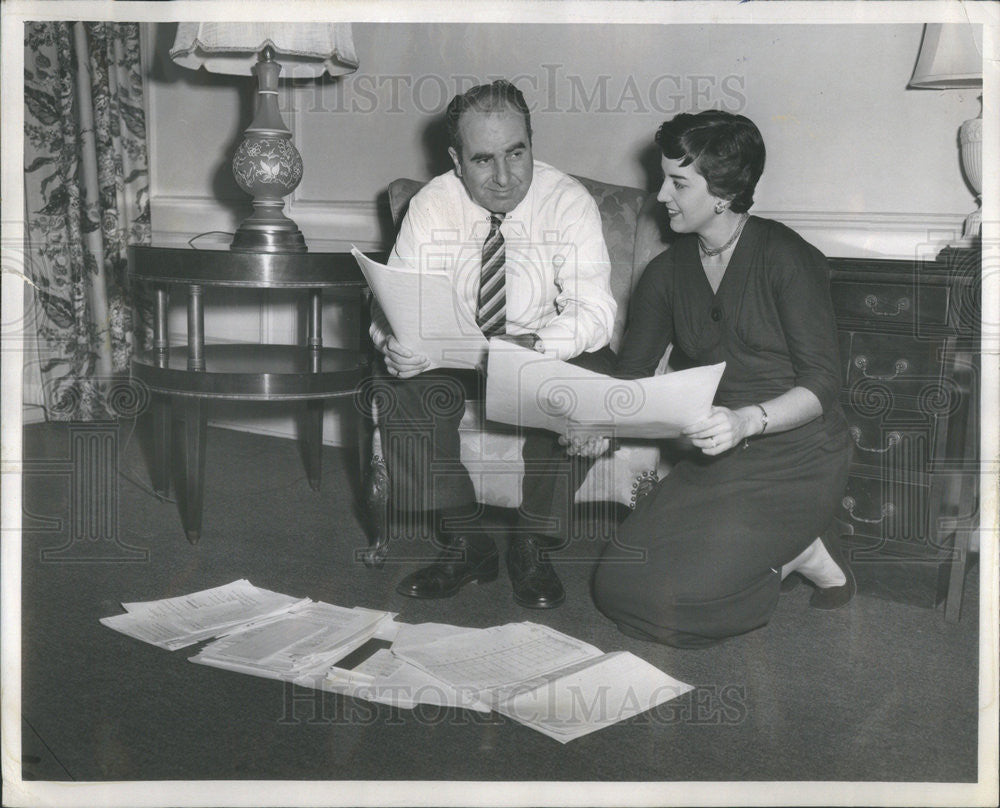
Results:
[726, 149]
[499, 96]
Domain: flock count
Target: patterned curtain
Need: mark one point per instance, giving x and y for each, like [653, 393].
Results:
[86, 199]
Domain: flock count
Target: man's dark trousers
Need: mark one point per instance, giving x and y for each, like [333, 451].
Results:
[421, 440]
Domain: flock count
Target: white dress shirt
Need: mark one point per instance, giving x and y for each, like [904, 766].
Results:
[557, 266]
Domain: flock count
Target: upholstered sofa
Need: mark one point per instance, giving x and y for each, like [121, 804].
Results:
[492, 452]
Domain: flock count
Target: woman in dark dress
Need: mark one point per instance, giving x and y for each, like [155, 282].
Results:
[753, 498]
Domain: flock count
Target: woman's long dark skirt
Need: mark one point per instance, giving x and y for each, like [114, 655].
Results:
[715, 533]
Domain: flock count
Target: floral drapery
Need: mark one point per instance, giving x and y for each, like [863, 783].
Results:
[86, 199]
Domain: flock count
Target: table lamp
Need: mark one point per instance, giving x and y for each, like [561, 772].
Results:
[951, 57]
[266, 164]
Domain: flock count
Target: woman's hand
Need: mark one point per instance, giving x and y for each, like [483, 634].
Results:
[401, 362]
[720, 432]
[579, 440]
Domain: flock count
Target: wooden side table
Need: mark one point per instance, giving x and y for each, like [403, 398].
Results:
[182, 377]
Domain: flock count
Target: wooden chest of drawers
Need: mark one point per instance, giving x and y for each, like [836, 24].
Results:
[909, 341]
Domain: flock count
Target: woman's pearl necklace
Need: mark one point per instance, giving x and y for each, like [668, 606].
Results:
[710, 252]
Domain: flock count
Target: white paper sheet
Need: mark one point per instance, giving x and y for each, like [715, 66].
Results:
[389, 679]
[302, 642]
[592, 695]
[174, 623]
[501, 656]
[425, 313]
[528, 389]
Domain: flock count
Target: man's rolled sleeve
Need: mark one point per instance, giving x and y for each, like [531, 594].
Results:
[586, 308]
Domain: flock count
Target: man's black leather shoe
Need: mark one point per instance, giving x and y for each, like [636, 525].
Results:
[456, 566]
[535, 583]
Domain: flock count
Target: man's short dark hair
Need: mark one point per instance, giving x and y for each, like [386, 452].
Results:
[499, 96]
[726, 149]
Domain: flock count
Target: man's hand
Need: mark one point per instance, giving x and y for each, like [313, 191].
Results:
[401, 362]
[583, 441]
[529, 341]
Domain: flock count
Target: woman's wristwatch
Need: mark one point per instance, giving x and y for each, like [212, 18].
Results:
[763, 418]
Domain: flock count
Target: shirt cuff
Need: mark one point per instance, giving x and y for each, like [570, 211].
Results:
[558, 341]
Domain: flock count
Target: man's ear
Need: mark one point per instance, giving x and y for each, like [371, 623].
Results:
[454, 158]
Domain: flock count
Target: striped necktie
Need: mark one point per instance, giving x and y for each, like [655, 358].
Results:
[491, 315]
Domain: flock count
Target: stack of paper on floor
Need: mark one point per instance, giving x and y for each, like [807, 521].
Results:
[547, 680]
[544, 679]
[387, 678]
[174, 623]
[299, 645]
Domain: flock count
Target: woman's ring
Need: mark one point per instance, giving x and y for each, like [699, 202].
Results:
[713, 443]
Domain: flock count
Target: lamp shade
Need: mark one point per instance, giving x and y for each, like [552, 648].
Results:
[951, 57]
[306, 50]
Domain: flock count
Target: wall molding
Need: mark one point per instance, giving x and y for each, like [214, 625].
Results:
[872, 235]
[835, 233]
[335, 223]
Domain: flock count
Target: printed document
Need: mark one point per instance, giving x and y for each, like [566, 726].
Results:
[484, 659]
[304, 641]
[544, 679]
[533, 674]
[174, 623]
[529, 389]
[591, 695]
[425, 313]
[388, 679]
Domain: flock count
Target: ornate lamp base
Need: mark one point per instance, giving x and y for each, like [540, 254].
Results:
[268, 167]
[276, 235]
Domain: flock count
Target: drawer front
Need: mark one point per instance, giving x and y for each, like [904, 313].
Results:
[901, 365]
[890, 303]
[889, 511]
[898, 445]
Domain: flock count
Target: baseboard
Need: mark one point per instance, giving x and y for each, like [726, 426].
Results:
[340, 425]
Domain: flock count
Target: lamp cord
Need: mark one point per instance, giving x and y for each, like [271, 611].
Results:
[207, 233]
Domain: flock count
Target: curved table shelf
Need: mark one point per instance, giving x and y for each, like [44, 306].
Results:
[182, 377]
[255, 372]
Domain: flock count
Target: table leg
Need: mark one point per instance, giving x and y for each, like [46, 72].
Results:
[161, 445]
[314, 416]
[967, 497]
[194, 465]
[314, 442]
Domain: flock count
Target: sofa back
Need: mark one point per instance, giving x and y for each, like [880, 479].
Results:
[632, 232]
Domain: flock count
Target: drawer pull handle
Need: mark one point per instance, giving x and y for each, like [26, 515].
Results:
[872, 302]
[861, 363]
[849, 504]
[890, 440]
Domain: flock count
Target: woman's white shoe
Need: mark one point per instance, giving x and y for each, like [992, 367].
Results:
[833, 578]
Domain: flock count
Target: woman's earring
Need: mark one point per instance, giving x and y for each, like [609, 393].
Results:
[720, 206]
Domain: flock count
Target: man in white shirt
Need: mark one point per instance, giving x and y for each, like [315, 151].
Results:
[524, 246]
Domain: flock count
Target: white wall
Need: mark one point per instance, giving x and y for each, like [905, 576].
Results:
[856, 162]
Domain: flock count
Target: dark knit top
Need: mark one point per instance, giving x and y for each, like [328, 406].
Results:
[771, 320]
